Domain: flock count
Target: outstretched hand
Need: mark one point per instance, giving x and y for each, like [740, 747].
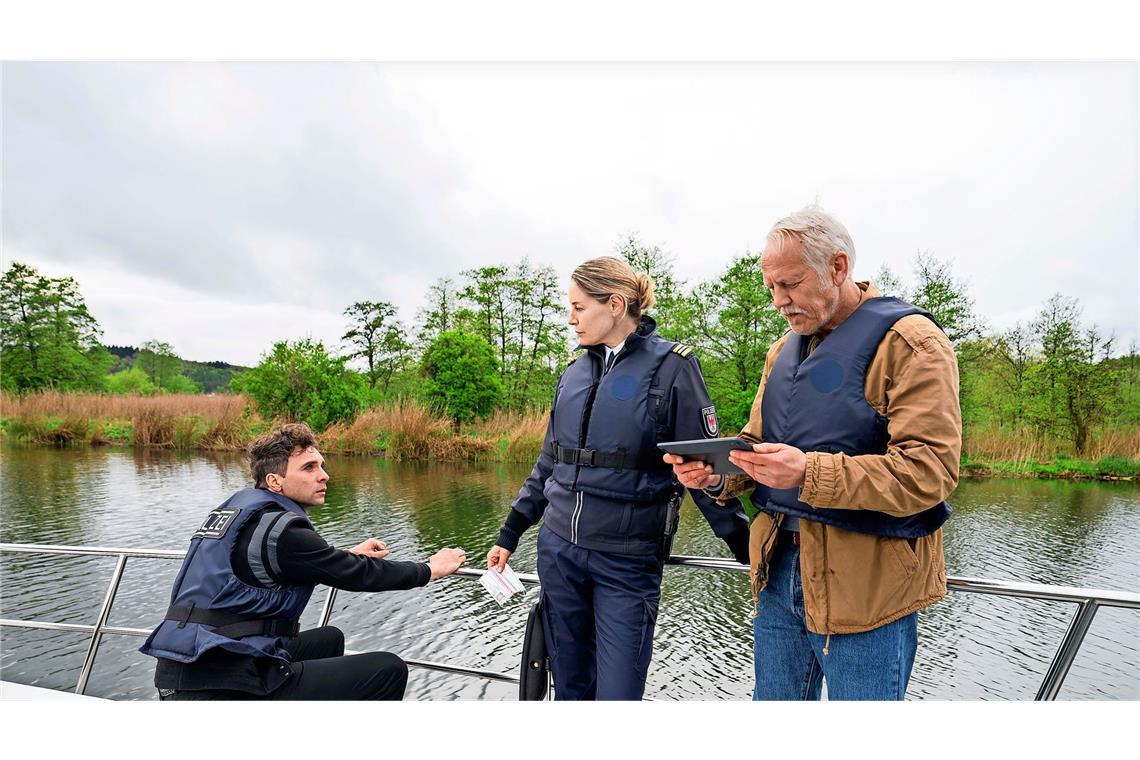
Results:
[372, 548]
[446, 561]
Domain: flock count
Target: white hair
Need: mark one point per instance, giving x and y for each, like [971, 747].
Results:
[820, 234]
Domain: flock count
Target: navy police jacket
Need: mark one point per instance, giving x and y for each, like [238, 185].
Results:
[600, 481]
[210, 607]
[818, 403]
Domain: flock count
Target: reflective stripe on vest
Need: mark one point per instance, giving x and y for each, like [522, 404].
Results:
[206, 582]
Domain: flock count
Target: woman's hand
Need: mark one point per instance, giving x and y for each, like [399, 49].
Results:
[692, 473]
[497, 558]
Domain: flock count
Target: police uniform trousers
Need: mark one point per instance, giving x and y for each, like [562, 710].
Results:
[600, 610]
[320, 671]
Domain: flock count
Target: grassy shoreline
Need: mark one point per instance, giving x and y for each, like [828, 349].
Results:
[190, 422]
[409, 432]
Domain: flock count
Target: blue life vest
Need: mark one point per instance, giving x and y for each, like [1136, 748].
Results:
[819, 404]
[207, 588]
[606, 427]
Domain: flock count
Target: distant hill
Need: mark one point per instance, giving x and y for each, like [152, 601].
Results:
[214, 377]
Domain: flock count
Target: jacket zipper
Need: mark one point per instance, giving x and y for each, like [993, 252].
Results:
[584, 432]
[826, 593]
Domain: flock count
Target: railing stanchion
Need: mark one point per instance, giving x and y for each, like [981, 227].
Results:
[97, 635]
[326, 613]
[1067, 651]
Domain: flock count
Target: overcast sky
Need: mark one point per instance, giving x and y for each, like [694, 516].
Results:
[222, 207]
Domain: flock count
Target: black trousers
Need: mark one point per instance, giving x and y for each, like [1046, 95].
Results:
[321, 671]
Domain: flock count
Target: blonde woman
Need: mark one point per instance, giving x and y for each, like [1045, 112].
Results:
[607, 500]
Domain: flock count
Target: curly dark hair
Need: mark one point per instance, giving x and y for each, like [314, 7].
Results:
[271, 452]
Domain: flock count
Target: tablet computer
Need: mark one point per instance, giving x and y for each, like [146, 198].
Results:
[711, 450]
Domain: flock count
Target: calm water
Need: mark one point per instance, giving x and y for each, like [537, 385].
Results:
[971, 646]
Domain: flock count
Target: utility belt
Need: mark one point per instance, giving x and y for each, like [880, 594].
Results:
[616, 460]
[233, 626]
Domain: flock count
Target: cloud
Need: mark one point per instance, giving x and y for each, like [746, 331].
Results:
[237, 189]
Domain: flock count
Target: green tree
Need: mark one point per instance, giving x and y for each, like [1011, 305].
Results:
[538, 345]
[212, 377]
[165, 368]
[462, 376]
[667, 289]
[440, 314]
[159, 361]
[180, 383]
[48, 337]
[488, 288]
[888, 283]
[947, 298]
[131, 381]
[732, 323]
[1014, 350]
[302, 382]
[515, 309]
[378, 337]
[1075, 385]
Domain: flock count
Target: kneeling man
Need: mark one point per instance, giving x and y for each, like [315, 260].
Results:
[231, 631]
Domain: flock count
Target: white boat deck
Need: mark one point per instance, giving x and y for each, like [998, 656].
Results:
[21, 693]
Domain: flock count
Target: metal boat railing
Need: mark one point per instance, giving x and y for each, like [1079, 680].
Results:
[1088, 601]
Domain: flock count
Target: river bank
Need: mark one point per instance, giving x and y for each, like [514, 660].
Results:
[191, 422]
[410, 432]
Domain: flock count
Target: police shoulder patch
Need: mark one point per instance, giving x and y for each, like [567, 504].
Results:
[217, 523]
[708, 419]
[682, 350]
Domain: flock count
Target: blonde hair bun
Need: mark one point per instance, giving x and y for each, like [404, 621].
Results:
[645, 297]
[605, 276]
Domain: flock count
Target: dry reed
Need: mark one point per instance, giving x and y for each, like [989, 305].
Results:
[999, 444]
[94, 405]
[523, 432]
[176, 421]
[403, 431]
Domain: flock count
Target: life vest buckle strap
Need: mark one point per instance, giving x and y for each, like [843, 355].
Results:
[616, 460]
[183, 619]
[233, 626]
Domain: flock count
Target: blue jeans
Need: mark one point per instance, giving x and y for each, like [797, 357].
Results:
[790, 661]
[600, 612]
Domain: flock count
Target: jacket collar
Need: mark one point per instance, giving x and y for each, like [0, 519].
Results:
[645, 330]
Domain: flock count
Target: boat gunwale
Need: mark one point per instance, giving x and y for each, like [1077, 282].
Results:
[1088, 601]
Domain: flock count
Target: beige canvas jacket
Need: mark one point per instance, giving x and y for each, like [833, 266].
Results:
[855, 582]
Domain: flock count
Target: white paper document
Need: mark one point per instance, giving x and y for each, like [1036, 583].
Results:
[502, 586]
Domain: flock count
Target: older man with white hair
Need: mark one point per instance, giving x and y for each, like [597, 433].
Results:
[857, 434]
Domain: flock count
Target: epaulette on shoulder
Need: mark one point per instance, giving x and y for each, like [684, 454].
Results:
[572, 360]
[680, 349]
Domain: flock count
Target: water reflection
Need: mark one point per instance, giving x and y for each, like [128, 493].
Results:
[971, 646]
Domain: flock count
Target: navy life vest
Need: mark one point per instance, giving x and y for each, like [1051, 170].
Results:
[606, 427]
[819, 404]
[210, 607]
